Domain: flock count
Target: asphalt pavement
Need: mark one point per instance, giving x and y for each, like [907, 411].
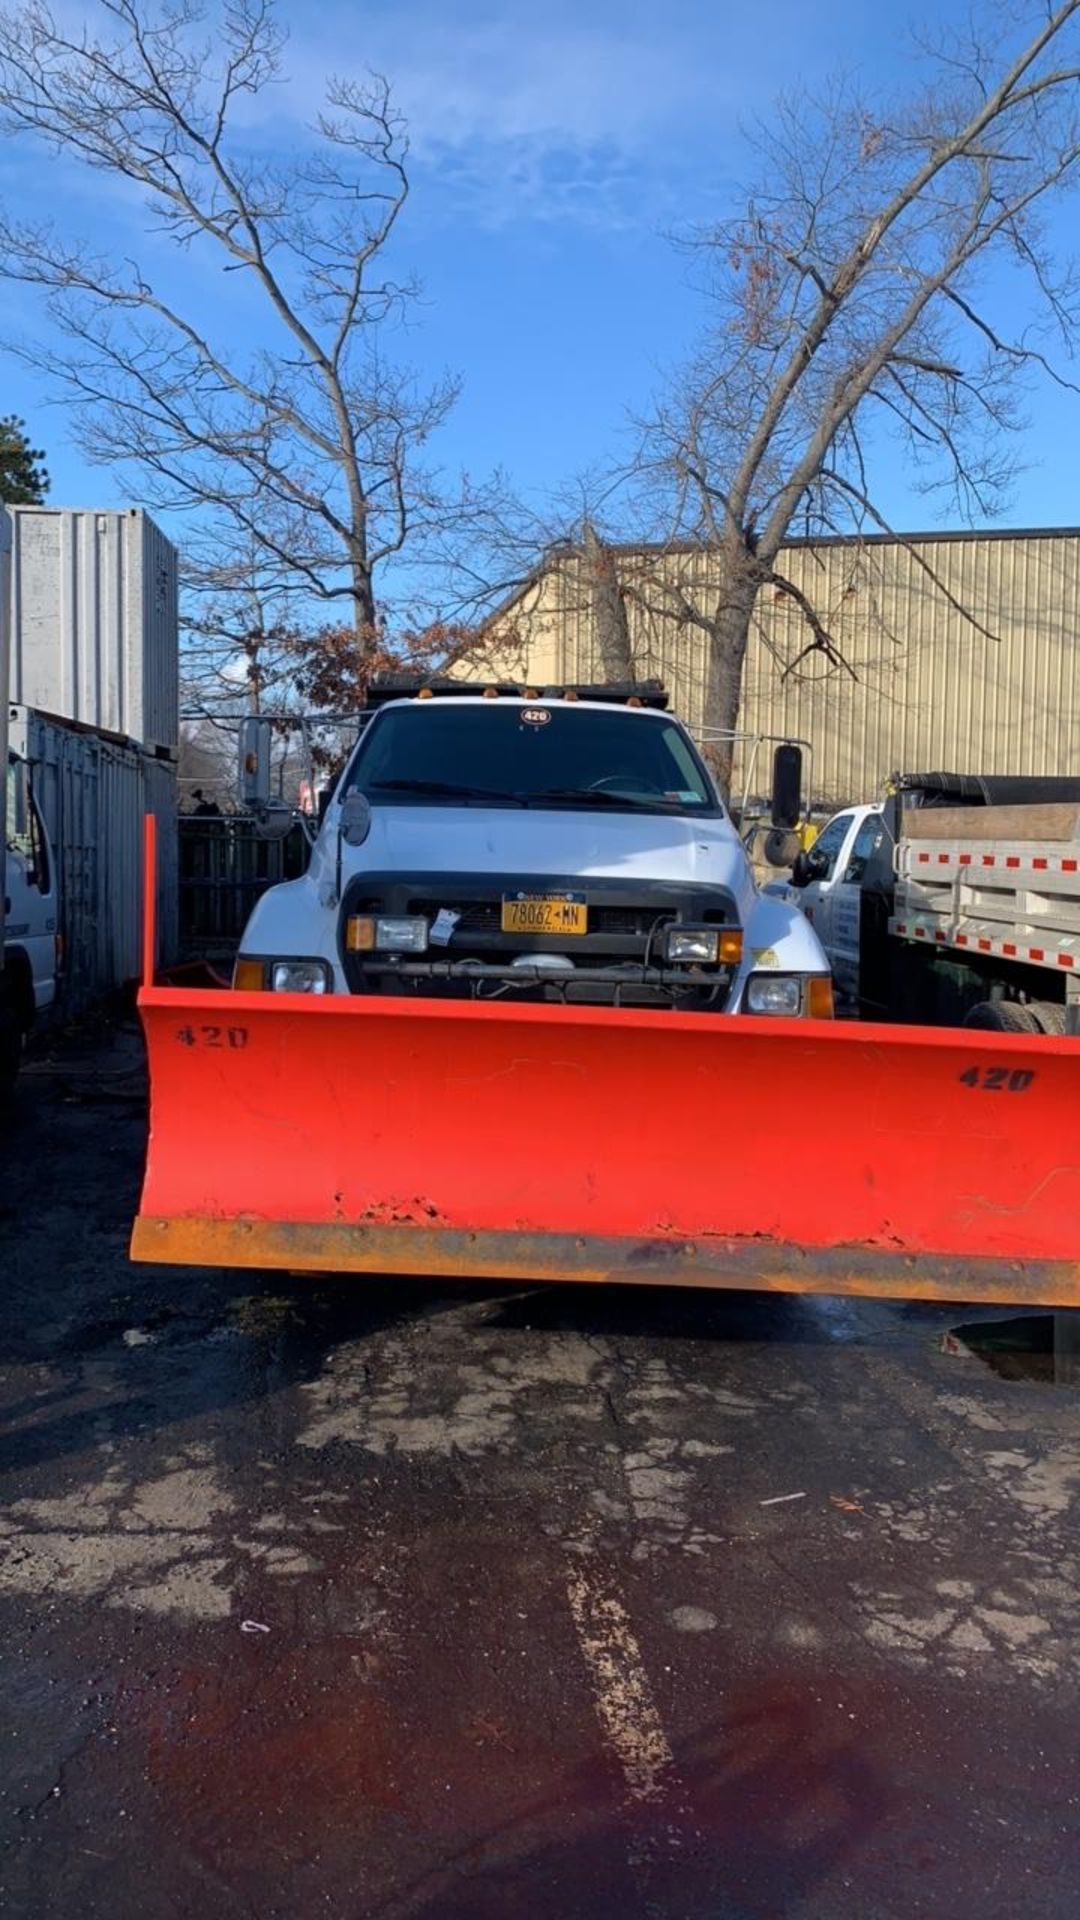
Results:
[366, 1599]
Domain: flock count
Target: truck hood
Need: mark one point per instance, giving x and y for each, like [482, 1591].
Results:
[593, 843]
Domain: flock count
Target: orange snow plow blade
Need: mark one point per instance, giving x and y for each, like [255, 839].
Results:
[396, 1136]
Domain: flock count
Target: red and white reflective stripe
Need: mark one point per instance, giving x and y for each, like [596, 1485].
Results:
[1014, 862]
[979, 943]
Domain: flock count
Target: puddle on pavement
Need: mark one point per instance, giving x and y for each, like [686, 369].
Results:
[1044, 1347]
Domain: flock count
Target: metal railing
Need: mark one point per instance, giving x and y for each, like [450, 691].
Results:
[225, 865]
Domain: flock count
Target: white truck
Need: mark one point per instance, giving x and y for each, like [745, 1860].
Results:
[29, 915]
[560, 845]
[953, 901]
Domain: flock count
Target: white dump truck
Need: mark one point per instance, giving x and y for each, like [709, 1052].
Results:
[566, 845]
[953, 901]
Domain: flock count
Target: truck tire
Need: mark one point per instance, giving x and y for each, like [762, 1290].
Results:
[1049, 1015]
[1002, 1016]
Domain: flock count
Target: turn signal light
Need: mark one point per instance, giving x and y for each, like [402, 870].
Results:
[249, 976]
[360, 933]
[731, 947]
[819, 997]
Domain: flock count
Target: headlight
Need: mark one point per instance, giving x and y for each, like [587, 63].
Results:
[299, 976]
[777, 993]
[282, 976]
[403, 933]
[702, 946]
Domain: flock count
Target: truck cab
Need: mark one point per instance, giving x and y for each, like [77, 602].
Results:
[569, 846]
[28, 906]
[828, 885]
[31, 919]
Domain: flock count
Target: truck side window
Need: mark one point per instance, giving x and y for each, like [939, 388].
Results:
[18, 809]
[828, 845]
[38, 864]
[24, 831]
[866, 843]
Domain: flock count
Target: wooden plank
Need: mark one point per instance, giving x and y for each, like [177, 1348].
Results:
[1057, 820]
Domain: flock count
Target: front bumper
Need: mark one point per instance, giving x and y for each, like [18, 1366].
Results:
[614, 963]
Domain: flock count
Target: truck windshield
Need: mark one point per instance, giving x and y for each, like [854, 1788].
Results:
[457, 755]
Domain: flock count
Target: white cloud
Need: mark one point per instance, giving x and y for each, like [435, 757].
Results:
[574, 85]
[532, 112]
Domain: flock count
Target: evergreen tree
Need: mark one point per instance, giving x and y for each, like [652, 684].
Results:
[24, 482]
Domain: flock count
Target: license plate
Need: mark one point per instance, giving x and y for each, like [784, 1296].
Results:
[562, 913]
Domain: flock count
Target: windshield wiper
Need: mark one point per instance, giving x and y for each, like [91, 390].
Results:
[592, 797]
[445, 789]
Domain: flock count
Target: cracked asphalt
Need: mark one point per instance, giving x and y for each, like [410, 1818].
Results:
[431, 1603]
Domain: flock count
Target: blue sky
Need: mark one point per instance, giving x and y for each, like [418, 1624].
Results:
[555, 148]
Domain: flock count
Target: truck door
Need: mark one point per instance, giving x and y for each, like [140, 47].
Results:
[845, 904]
[31, 921]
[824, 863]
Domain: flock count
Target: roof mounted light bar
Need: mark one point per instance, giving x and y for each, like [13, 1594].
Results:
[406, 686]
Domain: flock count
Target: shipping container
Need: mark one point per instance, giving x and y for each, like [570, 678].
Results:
[94, 792]
[95, 620]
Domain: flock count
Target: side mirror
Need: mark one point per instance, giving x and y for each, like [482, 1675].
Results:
[355, 819]
[809, 866]
[274, 820]
[786, 800]
[253, 775]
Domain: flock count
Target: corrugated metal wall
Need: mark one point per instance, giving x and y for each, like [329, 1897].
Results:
[931, 691]
[94, 620]
[93, 795]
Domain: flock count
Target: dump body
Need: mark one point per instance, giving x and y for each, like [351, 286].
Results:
[1003, 882]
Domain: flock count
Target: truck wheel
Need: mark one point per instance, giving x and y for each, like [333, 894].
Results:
[1049, 1016]
[1002, 1016]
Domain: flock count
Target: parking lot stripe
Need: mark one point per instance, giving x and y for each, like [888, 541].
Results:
[622, 1694]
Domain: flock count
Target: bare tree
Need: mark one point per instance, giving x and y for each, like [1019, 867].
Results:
[608, 595]
[558, 563]
[238, 641]
[305, 446]
[852, 294]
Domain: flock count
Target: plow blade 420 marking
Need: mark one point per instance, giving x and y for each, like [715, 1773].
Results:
[441, 1137]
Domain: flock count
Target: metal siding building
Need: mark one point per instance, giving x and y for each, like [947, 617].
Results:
[930, 689]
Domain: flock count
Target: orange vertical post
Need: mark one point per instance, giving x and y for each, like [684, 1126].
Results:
[149, 899]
